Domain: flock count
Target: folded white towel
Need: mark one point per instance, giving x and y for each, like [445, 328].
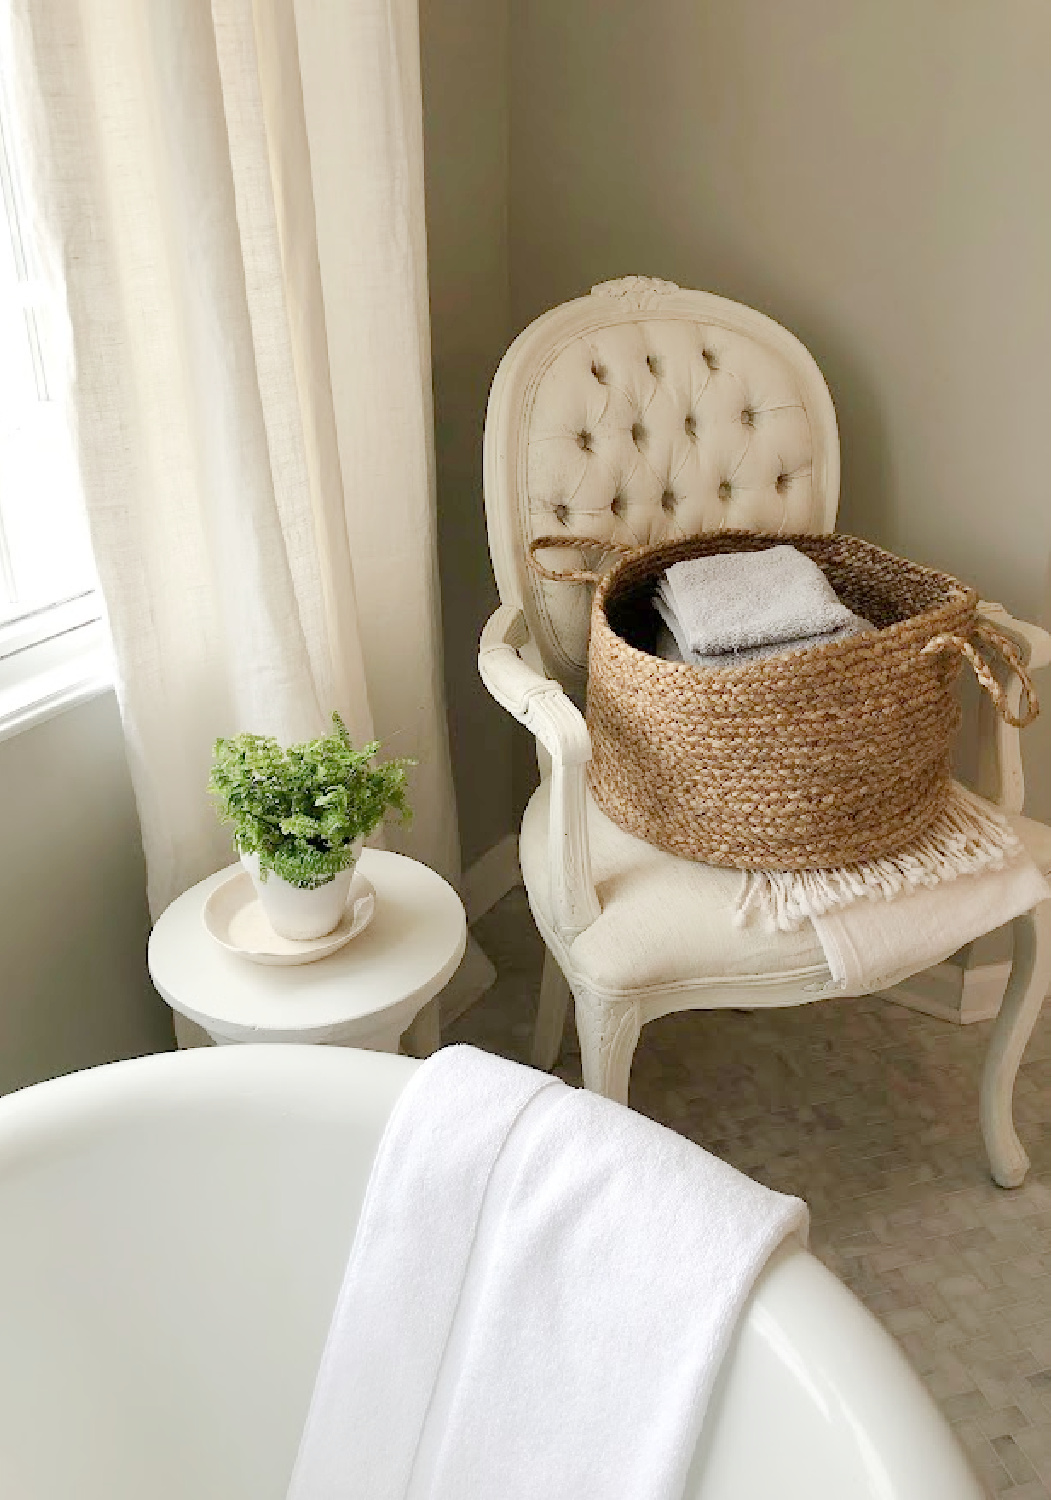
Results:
[736, 600]
[540, 1292]
[874, 944]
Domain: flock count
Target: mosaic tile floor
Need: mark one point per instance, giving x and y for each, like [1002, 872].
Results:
[870, 1113]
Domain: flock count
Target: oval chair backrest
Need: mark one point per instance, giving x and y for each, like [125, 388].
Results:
[639, 414]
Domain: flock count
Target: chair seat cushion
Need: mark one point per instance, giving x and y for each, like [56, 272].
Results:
[668, 922]
[665, 921]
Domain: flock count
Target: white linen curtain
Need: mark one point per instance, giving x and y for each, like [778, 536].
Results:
[234, 195]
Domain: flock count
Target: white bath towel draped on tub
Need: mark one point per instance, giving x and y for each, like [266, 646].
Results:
[541, 1290]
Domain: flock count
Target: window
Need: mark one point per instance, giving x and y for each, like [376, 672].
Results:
[51, 635]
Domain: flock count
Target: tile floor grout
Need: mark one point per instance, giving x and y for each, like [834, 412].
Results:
[870, 1112]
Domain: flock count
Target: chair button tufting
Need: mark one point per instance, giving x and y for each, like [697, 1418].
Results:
[690, 425]
[653, 364]
[561, 513]
[618, 504]
[725, 489]
[709, 356]
[638, 433]
[748, 417]
[668, 501]
[584, 441]
[599, 371]
[781, 484]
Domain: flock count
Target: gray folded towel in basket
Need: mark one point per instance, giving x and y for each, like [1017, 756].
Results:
[736, 607]
[670, 649]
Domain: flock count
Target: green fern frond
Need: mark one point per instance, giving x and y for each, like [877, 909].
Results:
[303, 808]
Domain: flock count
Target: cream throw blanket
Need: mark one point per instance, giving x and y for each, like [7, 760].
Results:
[872, 945]
[970, 838]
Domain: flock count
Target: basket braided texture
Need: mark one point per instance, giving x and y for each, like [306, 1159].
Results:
[832, 756]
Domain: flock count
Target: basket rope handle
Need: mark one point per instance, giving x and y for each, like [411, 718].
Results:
[572, 575]
[1009, 653]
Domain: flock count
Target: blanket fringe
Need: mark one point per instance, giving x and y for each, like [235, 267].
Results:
[968, 837]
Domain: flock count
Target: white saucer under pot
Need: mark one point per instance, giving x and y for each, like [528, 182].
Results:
[236, 918]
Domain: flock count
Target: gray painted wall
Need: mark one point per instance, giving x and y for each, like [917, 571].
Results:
[74, 990]
[875, 177]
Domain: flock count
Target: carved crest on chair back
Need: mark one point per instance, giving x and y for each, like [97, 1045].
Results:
[636, 292]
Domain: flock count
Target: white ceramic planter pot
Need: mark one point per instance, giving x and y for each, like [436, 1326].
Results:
[299, 914]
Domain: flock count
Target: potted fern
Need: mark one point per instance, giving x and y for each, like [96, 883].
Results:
[300, 817]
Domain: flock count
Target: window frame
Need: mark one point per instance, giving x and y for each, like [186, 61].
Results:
[51, 660]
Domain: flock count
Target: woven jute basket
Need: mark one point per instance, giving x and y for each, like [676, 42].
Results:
[833, 756]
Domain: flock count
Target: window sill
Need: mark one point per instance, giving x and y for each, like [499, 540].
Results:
[47, 678]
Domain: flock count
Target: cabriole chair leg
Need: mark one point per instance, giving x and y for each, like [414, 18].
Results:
[1026, 991]
[608, 1033]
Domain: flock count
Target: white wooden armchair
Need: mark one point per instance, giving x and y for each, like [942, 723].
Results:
[639, 413]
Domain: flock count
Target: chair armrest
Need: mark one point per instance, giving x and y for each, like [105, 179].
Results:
[1000, 749]
[541, 705]
[1034, 643]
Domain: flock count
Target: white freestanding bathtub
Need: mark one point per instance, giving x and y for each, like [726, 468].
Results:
[173, 1232]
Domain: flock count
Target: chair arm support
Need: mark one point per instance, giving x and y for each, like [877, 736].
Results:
[1034, 643]
[541, 705]
[1034, 646]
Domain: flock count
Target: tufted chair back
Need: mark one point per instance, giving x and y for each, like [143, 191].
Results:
[642, 413]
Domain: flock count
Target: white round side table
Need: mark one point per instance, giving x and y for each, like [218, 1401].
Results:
[367, 994]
